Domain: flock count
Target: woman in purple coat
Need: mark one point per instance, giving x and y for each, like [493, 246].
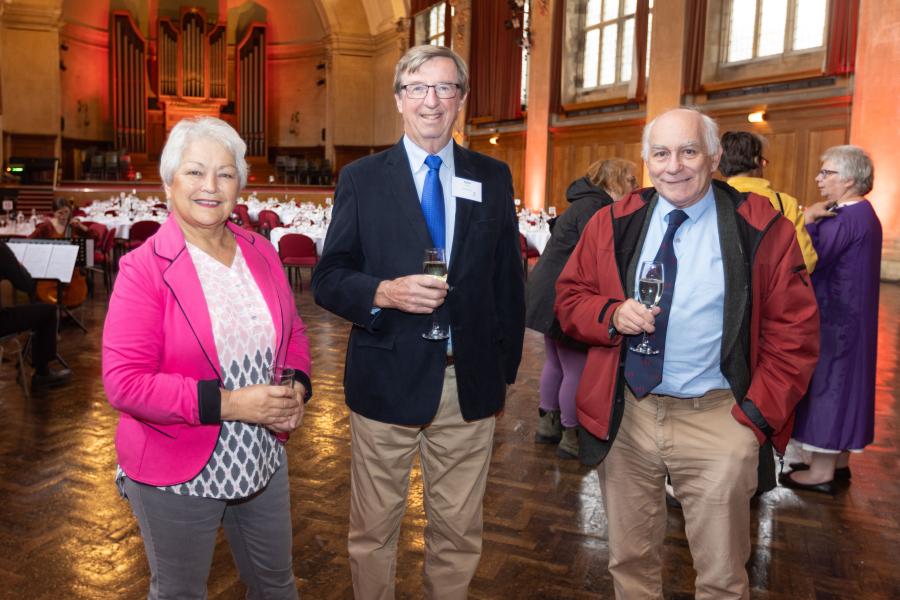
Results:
[838, 415]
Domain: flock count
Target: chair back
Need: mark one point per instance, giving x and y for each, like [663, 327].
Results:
[98, 230]
[141, 230]
[269, 219]
[297, 248]
[243, 212]
[109, 241]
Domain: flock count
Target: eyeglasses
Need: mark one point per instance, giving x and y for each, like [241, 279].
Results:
[823, 173]
[417, 91]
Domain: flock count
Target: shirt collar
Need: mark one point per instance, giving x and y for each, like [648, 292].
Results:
[417, 155]
[694, 211]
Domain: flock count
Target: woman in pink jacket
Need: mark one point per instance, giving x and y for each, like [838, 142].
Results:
[200, 322]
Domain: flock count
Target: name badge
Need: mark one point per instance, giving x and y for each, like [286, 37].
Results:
[466, 188]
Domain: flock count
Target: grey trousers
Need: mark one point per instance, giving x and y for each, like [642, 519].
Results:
[179, 535]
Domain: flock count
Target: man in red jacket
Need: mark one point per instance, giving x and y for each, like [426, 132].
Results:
[734, 341]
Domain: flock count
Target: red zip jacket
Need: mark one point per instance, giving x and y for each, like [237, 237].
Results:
[770, 338]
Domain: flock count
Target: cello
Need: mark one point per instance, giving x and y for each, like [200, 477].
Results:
[59, 226]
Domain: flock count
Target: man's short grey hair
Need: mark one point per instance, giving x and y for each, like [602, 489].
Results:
[710, 133]
[417, 56]
[853, 164]
[189, 130]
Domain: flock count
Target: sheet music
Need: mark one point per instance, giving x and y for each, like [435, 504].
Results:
[46, 261]
[36, 259]
[62, 263]
[18, 250]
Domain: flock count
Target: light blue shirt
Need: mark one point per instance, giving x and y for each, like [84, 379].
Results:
[417, 156]
[694, 333]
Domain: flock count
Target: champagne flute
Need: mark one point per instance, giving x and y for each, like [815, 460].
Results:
[435, 264]
[650, 290]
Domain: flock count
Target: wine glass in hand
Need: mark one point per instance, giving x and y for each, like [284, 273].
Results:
[435, 264]
[650, 289]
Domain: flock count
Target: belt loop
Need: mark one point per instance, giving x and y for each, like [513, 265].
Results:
[696, 403]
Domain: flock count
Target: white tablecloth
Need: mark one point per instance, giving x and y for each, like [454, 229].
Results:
[537, 238]
[25, 229]
[123, 223]
[317, 235]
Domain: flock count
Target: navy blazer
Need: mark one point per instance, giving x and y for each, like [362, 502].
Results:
[378, 232]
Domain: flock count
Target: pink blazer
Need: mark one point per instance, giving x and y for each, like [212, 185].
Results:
[158, 343]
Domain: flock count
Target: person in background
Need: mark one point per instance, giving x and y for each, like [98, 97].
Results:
[837, 417]
[409, 396]
[743, 163]
[60, 224]
[201, 322]
[38, 317]
[736, 338]
[606, 181]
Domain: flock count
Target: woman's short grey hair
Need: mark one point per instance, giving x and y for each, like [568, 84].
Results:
[710, 133]
[189, 130]
[417, 56]
[852, 164]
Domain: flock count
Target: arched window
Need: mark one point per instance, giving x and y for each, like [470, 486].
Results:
[430, 25]
[759, 29]
[605, 42]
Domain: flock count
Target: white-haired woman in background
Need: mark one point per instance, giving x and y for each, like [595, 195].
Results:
[838, 415]
[200, 318]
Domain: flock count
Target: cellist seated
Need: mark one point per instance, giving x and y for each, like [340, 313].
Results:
[61, 225]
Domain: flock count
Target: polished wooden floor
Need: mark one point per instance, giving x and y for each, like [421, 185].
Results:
[65, 532]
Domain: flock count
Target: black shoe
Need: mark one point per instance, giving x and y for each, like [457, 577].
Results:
[840, 474]
[826, 487]
[53, 378]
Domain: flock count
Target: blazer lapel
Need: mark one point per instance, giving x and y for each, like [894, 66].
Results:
[405, 195]
[182, 279]
[261, 271]
[462, 165]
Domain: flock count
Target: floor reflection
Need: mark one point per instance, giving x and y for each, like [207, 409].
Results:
[65, 533]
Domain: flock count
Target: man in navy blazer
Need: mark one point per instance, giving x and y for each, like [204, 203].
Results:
[408, 394]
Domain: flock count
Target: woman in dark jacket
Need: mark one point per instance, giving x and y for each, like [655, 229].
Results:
[605, 181]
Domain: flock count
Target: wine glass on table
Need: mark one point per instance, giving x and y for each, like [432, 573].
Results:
[435, 264]
[650, 289]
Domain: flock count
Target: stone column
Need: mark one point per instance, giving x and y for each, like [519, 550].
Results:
[29, 67]
[667, 44]
[540, 85]
[875, 117]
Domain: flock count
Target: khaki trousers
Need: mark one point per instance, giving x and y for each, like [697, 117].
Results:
[454, 456]
[712, 460]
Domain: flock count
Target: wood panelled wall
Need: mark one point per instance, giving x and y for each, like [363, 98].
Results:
[797, 134]
[510, 148]
[573, 149]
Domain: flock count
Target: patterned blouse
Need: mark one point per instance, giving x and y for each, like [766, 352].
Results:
[246, 455]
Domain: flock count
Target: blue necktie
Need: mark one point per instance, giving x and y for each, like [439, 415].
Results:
[433, 202]
[643, 373]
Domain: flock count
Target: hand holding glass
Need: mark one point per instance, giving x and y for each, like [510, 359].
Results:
[435, 264]
[650, 289]
[286, 377]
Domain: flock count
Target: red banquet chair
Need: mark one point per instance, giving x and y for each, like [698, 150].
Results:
[297, 250]
[268, 220]
[527, 253]
[140, 231]
[243, 212]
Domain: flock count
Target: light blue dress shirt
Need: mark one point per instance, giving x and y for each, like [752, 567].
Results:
[694, 334]
[417, 158]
